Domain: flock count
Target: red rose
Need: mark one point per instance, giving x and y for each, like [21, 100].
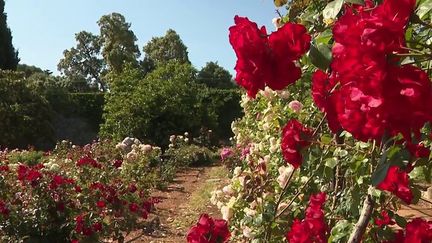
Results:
[418, 230]
[100, 204]
[208, 230]
[97, 227]
[397, 182]
[295, 137]
[267, 60]
[313, 227]
[133, 207]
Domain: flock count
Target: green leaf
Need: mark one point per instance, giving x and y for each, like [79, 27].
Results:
[324, 37]
[320, 56]
[424, 8]
[326, 139]
[332, 9]
[331, 162]
[361, 2]
[401, 221]
[381, 172]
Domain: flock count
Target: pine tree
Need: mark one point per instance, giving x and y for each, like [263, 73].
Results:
[8, 56]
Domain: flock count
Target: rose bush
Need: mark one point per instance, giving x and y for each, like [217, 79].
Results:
[346, 127]
[76, 193]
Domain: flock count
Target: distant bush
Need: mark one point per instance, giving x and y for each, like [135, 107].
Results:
[25, 115]
[165, 102]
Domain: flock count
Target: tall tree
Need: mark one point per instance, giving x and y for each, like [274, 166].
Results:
[8, 55]
[84, 62]
[215, 76]
[160, 50]
[118, 40]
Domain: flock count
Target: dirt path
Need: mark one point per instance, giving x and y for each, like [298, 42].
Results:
[182, 203]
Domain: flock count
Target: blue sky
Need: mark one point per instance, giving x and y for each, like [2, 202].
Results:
[42, 29]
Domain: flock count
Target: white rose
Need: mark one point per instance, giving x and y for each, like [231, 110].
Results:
[277, 22]
[284, 174]
[146, 148]
[296, 106]
[249, 212]
[237, 171]
[247, 232]
[226, 212]
[228, 190]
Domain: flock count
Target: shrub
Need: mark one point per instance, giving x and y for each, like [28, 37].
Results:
[163, 103]
[25, 115]
[76, 193]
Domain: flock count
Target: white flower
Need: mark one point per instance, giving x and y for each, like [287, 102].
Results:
[131, 155]
[172, 138]
[128, 141]
[247, 232]
[277, 22]
[228, 190]
[226, 212]
[242, 180]
[55, 167]
[284, 94]
[295, 105]
[237, 171]
[284, 174]
[171, 145]
[273, 148]
[273, 141]
[186, 140]
[146, 148]
[250, 212]
[186, 134]
[219, 205]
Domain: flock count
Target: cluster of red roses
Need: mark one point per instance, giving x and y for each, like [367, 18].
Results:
[417, 230]
[208, 230]
[87, 160]
[295, 137]
[367, 92]
[267, 59]
[82, 228]
[117, 199]
[4, 210]
[28, 174]
[313, 227]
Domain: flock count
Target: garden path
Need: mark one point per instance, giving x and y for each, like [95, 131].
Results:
[181, 204]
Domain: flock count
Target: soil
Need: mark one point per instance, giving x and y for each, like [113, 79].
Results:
[176, 212]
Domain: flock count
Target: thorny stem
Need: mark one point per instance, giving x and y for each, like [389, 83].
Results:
[297, 194]
[268, 231]
[368, 204]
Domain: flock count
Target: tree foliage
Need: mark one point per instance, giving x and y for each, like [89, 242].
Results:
[8, 55]
[118, 40]
[84, 63]
[25, 114]
[215, 76]
[170, 47]
[161, 104]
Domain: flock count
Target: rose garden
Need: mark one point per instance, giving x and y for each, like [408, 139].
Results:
[326, 138]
